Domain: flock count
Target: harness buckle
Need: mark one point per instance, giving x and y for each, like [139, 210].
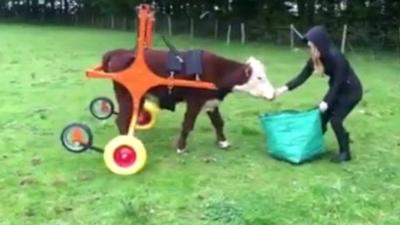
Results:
[171, 77]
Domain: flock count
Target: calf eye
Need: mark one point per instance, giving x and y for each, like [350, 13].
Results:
[259, 78]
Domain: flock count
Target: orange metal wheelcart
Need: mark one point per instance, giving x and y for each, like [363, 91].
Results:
[125, 154]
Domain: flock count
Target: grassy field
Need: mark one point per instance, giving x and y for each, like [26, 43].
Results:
[43, 88]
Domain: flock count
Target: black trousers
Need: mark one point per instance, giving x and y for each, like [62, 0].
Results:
[338, 112]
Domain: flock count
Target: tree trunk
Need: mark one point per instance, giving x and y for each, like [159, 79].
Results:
[28, 8]
[66, 7]
[310, 11]
[52, 8]
[301, 5]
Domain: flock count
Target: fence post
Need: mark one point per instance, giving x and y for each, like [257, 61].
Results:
[344, 37]
[216, 29]
[228, 35]
[42, 17]
[169, 25]
[125, 23]
[136, 21]
[243, 29]
[112, 22]
[398, 45]
[291, 36]
[191, 28]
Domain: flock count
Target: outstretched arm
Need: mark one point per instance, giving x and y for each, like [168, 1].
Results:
[302, 77]
[297, 81]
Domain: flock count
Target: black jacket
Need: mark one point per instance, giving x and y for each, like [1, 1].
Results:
[343, 81]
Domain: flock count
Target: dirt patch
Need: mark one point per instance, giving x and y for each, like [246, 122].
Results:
[27, 181]
[85, 176]
[58, 182]
[36, 161]
[62, 209]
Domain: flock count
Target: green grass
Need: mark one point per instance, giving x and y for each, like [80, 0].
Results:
[43, 88]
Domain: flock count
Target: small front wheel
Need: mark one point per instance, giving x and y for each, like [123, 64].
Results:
[125, 155]
[76, 138]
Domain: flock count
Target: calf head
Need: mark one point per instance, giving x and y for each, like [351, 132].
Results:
[256, 82]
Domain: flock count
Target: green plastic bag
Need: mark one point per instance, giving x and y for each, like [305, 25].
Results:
[294, 136]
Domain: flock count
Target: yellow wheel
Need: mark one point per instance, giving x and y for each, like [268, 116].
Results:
[148, 116]
[125, 155]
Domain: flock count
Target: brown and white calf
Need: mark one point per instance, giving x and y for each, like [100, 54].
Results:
[228, 76]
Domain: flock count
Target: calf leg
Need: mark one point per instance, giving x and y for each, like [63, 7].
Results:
[125, 108]
[218, 123]
[125, 104]
[192, 111]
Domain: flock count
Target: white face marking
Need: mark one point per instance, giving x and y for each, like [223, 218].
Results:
[258, 84]
[224, 144]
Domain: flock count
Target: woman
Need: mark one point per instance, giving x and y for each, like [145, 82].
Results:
[345, 89]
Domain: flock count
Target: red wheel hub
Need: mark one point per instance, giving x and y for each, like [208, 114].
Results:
[78, 136]
[125, 156]
[144, 117]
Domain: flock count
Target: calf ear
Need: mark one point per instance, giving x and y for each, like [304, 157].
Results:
[248, 70]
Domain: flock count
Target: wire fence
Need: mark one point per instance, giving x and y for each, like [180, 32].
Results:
[346, 36]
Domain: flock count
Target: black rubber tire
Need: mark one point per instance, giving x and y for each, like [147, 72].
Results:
[109, 101]
[88, 132]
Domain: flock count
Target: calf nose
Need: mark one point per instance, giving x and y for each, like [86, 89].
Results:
[270, 97]
[269, 93]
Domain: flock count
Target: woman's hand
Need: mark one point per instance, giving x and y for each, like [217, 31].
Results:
[281, 90]
[323, 106]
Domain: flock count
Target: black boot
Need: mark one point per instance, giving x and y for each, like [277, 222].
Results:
[344, 152]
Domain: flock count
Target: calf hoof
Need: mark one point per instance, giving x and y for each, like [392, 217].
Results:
[181, 151]
[224, 144]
